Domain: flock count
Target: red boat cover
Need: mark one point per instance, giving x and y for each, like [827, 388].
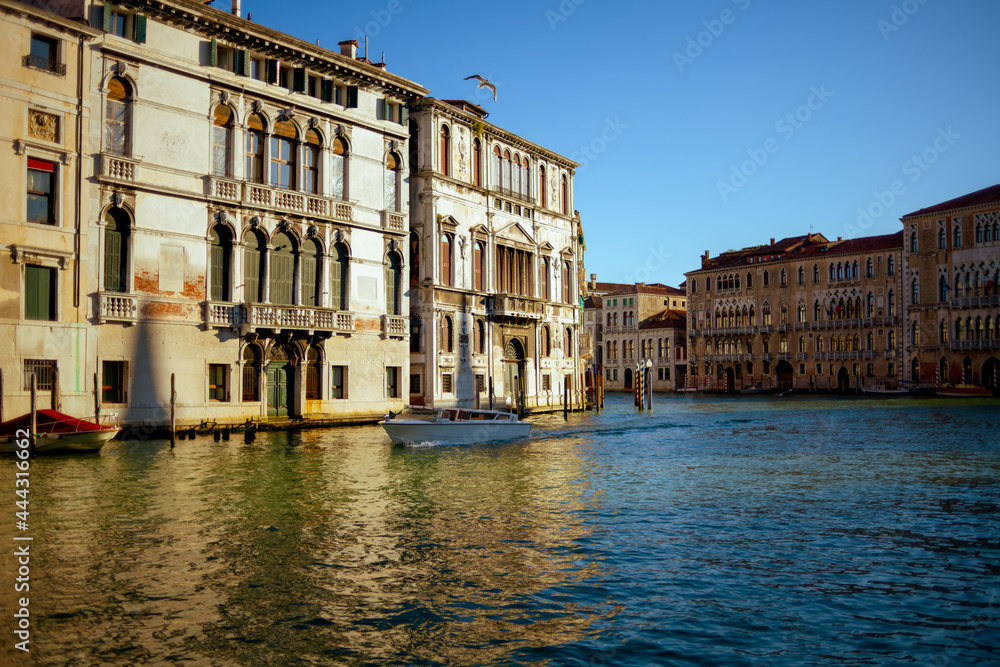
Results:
[48, 421]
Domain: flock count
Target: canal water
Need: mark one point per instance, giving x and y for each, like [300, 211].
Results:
[710, 531]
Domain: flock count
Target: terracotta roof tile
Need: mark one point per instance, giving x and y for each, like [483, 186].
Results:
[990, 195]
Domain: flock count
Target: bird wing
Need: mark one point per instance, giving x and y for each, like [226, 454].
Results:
[487, 84]
[477, 77]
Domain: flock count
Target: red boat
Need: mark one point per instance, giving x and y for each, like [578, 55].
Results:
[56, 432]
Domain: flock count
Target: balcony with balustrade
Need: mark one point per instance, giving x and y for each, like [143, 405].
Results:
[517, 308]
[265, 196]
[394, 326]
[302, 318]
[119, 168]
[117, 307]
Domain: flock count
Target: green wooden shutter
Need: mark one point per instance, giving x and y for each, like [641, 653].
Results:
[242, 62]
[327, 90]
[352, 97]
[336, 282]
[113, 260]
[107, 17]
[271, 71]
[140, 28]
[386, 109]
[213, 57]
[282, 278]
[309, 281]
[251, 277]
[404, 114]
[299, 80]
[218, 273]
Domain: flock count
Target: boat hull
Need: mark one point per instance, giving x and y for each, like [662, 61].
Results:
[402, 432]
[54, 443]
[963, 392]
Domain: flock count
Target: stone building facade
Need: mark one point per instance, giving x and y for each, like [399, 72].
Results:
[639, 323]
[244, 218]
[805, 313]
[952, 290]
[44, 263]
[495, 259]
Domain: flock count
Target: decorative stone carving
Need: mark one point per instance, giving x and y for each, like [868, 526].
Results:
[222, 217]
[255, 222]
[313, 122]
[312, 232]
[256, 106]
[43, 126]
[288, 114]
[224, 96]
[117, 199]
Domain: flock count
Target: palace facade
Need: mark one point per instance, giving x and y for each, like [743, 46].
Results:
[495, 256]
[804, 312]
[227, 205]
[952, 286]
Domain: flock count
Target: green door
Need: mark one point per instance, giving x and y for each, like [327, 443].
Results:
[279, 381]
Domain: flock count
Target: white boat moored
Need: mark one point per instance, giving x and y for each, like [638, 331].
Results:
[453, 425]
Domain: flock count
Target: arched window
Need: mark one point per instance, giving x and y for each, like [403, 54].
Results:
[816, 274]
[979, 328]
[869, 268]
[943, 332]
[284, 163]
[222, 140]
[891, 341]
[446, 250]
[480, 342]
[221, 260]
[979, 232]
[783, 344]
[870, 305]
[840, 271]
[766, 314]
[311, 166]
[854, 269]
[870, 342]
[567, 283]
[312, 264]
[942, 239]
[817, 311]
[802, 344]
[393, 286]
[505, 176]
[957, 239]
[544, 284]
[447, 334]
[767, 278]
[414, 258]
[392, 176]
[568, 343]
[497, 168]
[891, 302]
[477, 163]
[913, 242]
[891, 269]
[915, 292]
[749, 280]
[255, 148]
[783, 314]
[541, 187]
[802, 312]
[515, 174]
[942, 289]
[915, 333]
[339, 262]
[282, 269]
[444, 148]
[478, 250]
[253, 268]
[338, 169]
[118, 117]
[783, 279]
[833, 272]
[565, 195]
[546, 342]
[117, 234]
[802, 275]
[820, 344]
[251, 374]
[996, 231]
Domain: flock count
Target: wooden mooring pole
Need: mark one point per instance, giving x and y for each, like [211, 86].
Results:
[55, 389]
[97, 401]
[34, 413]
[173, 407]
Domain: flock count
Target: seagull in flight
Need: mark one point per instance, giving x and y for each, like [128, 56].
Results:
[483, 83]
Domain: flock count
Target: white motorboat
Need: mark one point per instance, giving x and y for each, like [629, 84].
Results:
[455, 426]
[882, 390]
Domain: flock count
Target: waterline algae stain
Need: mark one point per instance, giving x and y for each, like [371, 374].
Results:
[709, 531]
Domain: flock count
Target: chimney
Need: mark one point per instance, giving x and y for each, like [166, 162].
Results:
[772, 241]
[236, 8]
[349, 48]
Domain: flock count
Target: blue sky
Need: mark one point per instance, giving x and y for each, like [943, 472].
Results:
[710, 125]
